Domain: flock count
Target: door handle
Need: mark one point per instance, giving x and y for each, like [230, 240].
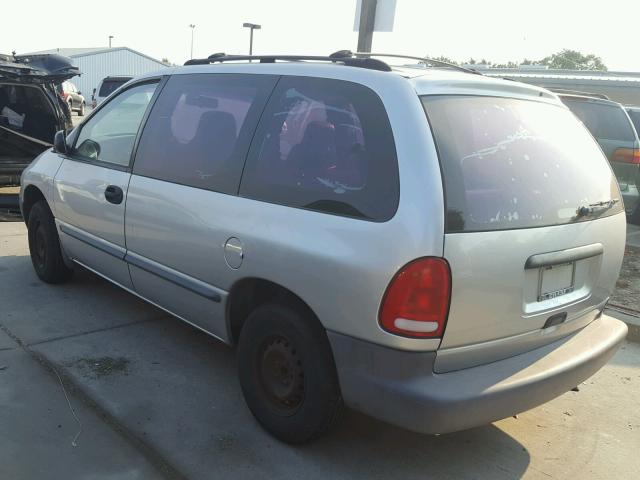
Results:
[113, 194]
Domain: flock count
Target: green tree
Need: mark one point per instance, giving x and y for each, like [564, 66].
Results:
[506, 65]
[442, 58]
[573, 60]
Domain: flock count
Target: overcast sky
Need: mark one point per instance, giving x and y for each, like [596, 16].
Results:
[499, 30]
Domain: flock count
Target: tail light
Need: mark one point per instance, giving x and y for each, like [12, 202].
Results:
[416, 302]
[627, 155]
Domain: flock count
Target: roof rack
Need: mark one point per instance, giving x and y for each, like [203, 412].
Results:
[341, 57]
[346, 57]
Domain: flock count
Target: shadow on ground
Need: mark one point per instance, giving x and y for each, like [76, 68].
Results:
[175, 388]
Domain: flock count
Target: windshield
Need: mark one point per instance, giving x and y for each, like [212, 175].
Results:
[511, 163]
[603, 121]
[110, 86]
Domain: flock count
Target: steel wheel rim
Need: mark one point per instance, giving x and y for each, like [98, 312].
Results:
[281, 375]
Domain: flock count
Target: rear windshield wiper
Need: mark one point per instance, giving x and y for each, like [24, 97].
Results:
[597, 207]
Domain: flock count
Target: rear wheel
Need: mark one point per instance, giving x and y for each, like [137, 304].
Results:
[70, 107]
[44, 245]
[287, 373]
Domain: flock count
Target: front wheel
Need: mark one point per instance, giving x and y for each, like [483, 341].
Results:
[81, 111]
[287, 373]
[44, 245]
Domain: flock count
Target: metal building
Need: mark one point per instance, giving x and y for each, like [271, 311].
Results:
[623, 87]
[97, 63]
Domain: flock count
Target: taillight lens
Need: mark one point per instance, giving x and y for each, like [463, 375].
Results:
[416, 302]
[627, 155]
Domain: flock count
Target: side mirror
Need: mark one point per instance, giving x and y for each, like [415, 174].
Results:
[79, 93]
[60, 142]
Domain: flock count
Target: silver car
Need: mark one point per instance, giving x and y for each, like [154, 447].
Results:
[429, 246]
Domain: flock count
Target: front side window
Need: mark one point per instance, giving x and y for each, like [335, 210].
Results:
[109, 135]
[324, 145]
[199, 130]
[510, 163]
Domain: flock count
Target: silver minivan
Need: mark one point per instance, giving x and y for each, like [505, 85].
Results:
[429, 246]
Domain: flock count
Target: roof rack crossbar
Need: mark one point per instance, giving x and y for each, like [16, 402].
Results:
[370, 63]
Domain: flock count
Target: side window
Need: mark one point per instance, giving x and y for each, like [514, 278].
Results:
[109, 135]
[199, 130]
[324, 145]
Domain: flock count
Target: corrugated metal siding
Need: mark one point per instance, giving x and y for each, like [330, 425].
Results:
[95, 67]
[622, 90]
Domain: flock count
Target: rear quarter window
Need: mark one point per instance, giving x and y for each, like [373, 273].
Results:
[635, 119]
[603, 121]
[324, 145]
[511, 163]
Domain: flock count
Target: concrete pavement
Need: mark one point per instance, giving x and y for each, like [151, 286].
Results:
[172, 405]
[38, 428]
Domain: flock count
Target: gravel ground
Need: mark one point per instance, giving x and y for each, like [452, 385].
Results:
[627, 293]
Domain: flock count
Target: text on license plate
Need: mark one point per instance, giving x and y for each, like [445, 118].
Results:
[555, 281]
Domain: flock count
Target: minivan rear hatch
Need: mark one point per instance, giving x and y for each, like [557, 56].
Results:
[532, 233]
[43, 68]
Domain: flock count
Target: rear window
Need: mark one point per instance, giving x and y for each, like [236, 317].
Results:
[511, 163]
[603, 121]
[110, 86]
[635, 118]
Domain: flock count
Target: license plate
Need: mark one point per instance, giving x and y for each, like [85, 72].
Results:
[556, 280]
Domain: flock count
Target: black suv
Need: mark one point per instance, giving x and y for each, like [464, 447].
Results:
[31, 110]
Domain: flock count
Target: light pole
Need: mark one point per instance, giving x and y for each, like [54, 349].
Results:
[367, 24]
[110, 37]
[192, 26]
[251, 27]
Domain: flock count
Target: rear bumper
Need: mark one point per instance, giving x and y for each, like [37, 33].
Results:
[401, 388]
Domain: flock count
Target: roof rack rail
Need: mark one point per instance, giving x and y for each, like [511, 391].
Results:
[341, 57]
[426, 60]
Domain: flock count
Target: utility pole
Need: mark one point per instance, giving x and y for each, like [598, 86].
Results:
[110, 37]
[251, 27]
[367, 24]
[192, 26]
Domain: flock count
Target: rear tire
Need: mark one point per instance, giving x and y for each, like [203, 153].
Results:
[287, 373]
[44, 245]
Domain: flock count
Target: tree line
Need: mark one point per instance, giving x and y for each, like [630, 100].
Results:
[565, 59]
